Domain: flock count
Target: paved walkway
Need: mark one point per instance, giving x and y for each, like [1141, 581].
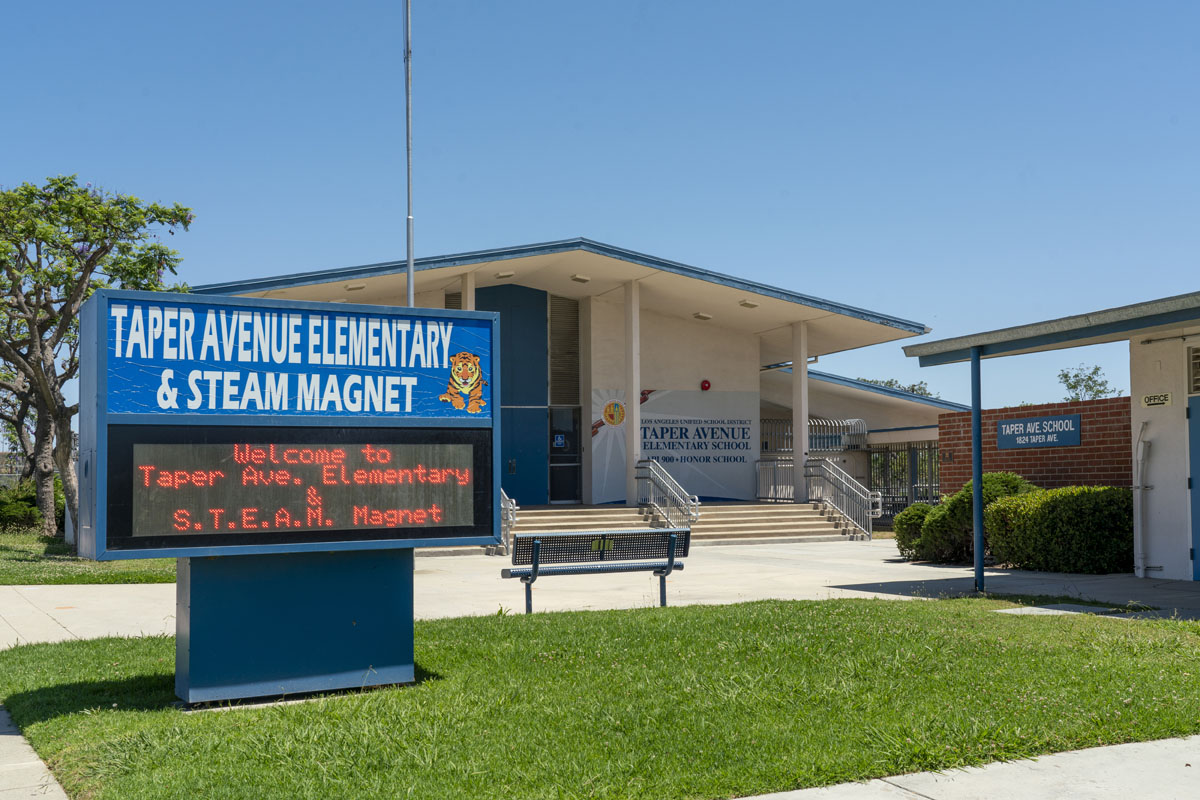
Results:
[449, 586]
[1164, 770]
[452, 586]
[22, 773]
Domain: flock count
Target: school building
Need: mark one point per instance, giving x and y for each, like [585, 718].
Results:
[608, 356]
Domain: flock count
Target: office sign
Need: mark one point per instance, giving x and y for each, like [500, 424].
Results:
[1056, 431]
[237, 426]
[1156, 400]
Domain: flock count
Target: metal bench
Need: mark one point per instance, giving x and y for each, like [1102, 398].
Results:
[595, 552]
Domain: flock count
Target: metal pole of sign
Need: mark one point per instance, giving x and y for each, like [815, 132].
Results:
[977, 465]
[408, 137]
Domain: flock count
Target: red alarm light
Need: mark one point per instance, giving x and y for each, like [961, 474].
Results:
[705, 386]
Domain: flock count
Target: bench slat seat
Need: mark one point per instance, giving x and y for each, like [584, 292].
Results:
[605, 545]
[597, 552]
[587, 569]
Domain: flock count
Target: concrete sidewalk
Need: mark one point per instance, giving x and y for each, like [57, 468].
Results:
[449, 586]
[452, 586]
[1163, 770]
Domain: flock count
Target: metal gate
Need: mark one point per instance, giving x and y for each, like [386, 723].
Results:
[904, 473]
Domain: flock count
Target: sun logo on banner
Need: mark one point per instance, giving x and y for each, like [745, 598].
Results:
[614, 412]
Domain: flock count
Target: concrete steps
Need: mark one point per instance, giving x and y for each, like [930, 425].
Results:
[733, 523]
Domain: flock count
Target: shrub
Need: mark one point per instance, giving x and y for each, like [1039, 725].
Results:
[948, 535]
[907, 526]
[18, 505]
[1086, 529]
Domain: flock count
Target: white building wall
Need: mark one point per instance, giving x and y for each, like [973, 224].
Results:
[1163, 518]
[676, 354]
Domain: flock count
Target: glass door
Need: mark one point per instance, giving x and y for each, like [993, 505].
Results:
[566, 462]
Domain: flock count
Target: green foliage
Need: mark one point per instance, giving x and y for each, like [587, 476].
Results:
[59, 243]
[907, 526]
[948, 533]
[27, 558]
[1083, 383]
[920, 387]
[1086, 529]
[18, 505]
[670, 703]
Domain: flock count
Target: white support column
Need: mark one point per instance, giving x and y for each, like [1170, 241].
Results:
[468, 291]
[633, 389]
[800, 408]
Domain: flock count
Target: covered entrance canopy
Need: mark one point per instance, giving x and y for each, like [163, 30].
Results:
[776, 324]
[1162, 367]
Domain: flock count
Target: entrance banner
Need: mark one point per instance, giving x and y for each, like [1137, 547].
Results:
[708, 441]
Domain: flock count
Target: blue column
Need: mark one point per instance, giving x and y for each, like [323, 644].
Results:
[977, 465]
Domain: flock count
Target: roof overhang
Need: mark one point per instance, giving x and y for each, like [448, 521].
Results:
[852, 388]
[579, 268]
[1099, 327]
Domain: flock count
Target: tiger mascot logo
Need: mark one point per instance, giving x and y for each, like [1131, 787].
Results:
[465, 379]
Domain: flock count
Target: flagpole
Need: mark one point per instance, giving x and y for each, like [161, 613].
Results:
[408, 137]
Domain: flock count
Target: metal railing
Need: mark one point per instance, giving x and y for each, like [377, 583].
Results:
[905, 473]
[774, 480]
[824, 435]
[827, 483]
[659, 492]
[508, 521]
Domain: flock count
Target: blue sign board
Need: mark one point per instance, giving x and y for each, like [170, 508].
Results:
[174, 357]
[310, 445]
[223, 426]
[1058, 431]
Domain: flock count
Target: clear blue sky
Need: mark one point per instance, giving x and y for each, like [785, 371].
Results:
[966, 165]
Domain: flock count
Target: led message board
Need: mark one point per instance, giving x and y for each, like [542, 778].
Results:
[238, 426]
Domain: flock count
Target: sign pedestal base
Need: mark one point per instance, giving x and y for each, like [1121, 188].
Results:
[269, 625]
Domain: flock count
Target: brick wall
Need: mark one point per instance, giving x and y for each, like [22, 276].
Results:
[1104, 455]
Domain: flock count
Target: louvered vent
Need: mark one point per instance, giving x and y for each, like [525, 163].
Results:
[1194, 370]
[454, 300]
[564, 351]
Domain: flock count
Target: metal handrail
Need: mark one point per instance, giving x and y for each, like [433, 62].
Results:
[826, 482]
[508, 521]
[830, 484]
[659, 491]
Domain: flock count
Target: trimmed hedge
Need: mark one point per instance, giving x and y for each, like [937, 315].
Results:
[1085, 529]
[907, 526]
[947, 530]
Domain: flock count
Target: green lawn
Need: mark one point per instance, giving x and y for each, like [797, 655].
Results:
[686, 702]
[27, 558]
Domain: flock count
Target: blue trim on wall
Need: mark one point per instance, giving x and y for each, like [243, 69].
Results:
[887, 391]
[550, 248]
[1061, 337]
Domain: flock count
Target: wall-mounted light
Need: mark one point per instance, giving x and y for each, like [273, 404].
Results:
[747, 304]
[508, 273]
[355, 287]
[580, 278]
[700, 315]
